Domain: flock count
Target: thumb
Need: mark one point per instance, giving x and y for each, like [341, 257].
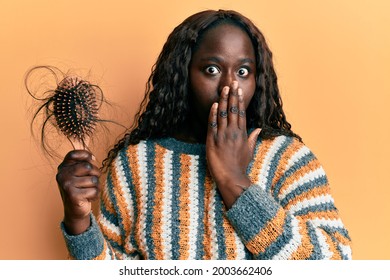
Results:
[252, 139]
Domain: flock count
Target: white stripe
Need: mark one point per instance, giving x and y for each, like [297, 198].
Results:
[108, 254]
[327, 254]
[296, 240]
[318, 200]
[310, 176]
[320, 222]
[193, 206]
[303, 151]
[167, 206]
[263, 174]
[128, 200]
[126, 257]
[107, 224]
[346, 250]
[124, 188]
[141, 151]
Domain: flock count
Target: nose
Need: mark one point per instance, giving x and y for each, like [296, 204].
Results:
[226, 80]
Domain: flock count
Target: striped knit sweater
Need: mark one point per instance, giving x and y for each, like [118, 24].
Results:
[159, 202]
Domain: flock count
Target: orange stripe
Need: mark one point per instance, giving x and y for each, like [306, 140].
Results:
[268, 234]
[158, 204]
[284, 159]
[305, 249]
[321, 215]
[184, 209]
[206, 218]
[315, 192]
[230, 239]
[132, 154]
[311, 166]
[342, 239]
[259, 160]
[332, 246]
[122, 205]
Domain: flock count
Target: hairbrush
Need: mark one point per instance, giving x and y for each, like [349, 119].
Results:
[75, 109]
[71, 106]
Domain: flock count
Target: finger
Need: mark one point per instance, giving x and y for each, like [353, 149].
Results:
[83, 168]
[252, 139]
[212, 122]
[233, 105]
[222, 108]
[71, 175]
[86, 182]
[91, 194]
[241, 111]
[67, 181]
[82, 194]
[78, 155]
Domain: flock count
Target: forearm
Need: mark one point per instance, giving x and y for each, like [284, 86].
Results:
[271, 232]
[76, 226]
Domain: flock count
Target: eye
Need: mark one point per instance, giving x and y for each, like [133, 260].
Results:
[243, 72]
[212, 70]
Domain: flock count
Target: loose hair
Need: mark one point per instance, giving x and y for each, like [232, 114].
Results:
[64, 104]
[165, 107]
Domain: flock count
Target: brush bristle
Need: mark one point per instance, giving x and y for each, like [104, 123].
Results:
[75, 108]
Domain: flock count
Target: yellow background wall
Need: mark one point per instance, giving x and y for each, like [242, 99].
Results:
[333, 63]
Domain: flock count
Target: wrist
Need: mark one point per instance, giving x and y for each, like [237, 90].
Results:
[232, 188]
[75, 226]
[240, 181]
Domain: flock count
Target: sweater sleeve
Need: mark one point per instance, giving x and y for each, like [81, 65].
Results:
[87, 245]
[288, 212]
[105, 238]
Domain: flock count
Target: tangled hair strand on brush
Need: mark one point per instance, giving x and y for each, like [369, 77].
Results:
[70, 105]
[165, 107]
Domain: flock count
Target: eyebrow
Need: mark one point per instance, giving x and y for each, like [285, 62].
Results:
[219, 59]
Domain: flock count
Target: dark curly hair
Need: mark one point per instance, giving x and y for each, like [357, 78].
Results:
[167, 90]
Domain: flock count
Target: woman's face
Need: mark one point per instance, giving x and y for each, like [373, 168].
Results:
[224, 55]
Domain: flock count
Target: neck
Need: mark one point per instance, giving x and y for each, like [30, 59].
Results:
[193, 132]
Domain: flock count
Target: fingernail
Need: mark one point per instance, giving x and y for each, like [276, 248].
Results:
[95, 180]
[240, 97]
[226, 91]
